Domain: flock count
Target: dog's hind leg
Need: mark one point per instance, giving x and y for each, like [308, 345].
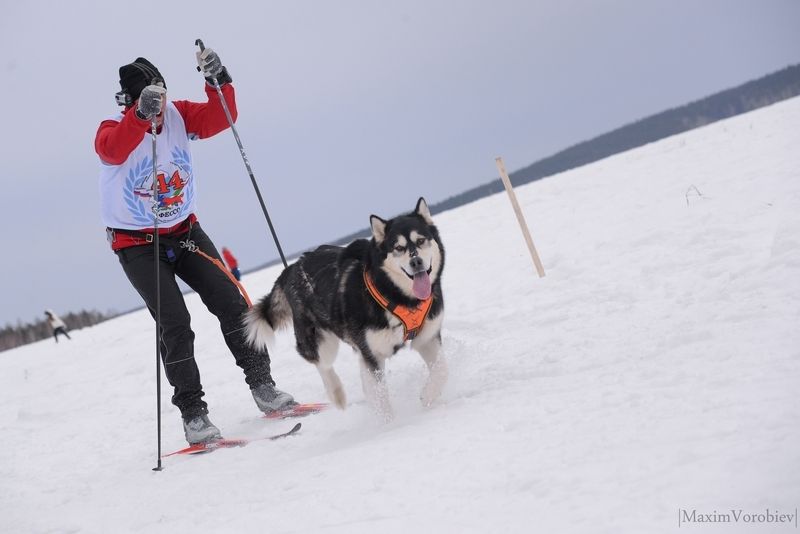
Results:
[320, 347]
[431, 352]
[327, 349]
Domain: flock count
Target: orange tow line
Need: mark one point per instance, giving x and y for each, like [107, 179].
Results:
[194, 248]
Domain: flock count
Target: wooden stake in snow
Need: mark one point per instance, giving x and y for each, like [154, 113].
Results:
[520, 218]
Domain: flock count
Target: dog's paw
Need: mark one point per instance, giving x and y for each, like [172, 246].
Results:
[338, 398]
[428, 398]
[381, 406]
[431, 393]
[385, 413]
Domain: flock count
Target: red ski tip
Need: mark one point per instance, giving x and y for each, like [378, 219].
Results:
[298, 410]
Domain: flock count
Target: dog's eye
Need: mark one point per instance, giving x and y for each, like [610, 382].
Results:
[399, 249]
[420, 241]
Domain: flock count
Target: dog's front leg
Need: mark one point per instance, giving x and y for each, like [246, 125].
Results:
[437, 369]
[373, 380]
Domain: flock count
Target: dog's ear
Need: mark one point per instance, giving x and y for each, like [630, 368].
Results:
[378, 228]
[423, 211]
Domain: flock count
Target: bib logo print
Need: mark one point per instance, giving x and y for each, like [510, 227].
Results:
[173, 194]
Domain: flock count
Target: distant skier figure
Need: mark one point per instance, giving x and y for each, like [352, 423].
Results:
[231, 262]
[58, 326]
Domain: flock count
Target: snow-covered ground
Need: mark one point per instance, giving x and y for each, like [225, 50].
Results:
[656, 368]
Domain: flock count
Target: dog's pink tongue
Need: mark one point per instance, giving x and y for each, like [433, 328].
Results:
[422, 285]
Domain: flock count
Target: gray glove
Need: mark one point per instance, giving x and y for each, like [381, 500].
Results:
[209, 63]
[150, 102]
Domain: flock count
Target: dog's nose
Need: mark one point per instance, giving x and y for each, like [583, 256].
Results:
[417, 264]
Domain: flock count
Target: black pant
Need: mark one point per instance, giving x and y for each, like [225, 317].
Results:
[218, 293]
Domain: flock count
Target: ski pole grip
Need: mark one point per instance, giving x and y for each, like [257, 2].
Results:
[199, 42]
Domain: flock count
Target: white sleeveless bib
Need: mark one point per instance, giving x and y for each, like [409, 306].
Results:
[126, 190]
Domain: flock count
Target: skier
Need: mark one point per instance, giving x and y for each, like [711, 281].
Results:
[58, 326]
[125, 149]
[230, 261]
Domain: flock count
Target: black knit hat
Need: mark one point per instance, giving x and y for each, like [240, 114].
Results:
[135, 76]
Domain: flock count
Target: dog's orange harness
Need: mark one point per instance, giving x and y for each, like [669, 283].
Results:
[412, 318]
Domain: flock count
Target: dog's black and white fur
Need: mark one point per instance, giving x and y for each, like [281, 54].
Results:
[325, 296]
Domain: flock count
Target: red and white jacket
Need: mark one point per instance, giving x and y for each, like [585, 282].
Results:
[124, 146]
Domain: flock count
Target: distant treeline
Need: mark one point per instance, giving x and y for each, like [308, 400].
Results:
[22, 334]
[752, 95]
[755, 94]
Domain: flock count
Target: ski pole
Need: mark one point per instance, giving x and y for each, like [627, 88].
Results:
[157, 262]
[199, 43]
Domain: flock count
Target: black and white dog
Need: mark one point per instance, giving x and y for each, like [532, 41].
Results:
[374, 295]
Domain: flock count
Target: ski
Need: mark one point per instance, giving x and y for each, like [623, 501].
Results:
[211, 446]
[298, 410]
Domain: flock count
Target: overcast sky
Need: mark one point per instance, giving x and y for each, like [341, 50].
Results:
[346, 108]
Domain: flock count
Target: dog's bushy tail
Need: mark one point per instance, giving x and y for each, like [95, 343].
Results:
[269, 314]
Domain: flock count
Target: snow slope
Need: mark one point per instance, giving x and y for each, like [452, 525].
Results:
[655, 368]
